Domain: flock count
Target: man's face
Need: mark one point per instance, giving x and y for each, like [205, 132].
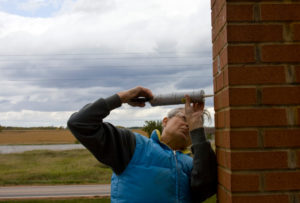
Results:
[178, 129]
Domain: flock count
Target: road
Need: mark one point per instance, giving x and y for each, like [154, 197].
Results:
[57, 191]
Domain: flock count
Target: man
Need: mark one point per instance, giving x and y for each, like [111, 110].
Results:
[158, 169]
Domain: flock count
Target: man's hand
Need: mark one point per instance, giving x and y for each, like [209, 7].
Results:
[194, 114]
[136, 92]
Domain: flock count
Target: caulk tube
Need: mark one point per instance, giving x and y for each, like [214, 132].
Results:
[177, 98]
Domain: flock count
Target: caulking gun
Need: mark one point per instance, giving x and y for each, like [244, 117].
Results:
[173, 98]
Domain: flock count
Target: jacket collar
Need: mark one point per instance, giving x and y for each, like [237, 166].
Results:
[156, 137]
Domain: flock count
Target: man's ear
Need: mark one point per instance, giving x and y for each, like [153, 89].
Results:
[164, 122]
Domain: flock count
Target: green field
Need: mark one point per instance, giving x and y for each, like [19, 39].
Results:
[55, 167]
[52, 167]
[102, 200]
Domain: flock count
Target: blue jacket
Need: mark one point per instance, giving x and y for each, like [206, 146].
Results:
[145, 169]
[155, 173]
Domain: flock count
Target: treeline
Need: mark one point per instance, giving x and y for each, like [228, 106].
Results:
[148, 127]
[151, 125]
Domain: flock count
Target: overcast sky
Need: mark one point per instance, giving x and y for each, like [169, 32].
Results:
[58, 55]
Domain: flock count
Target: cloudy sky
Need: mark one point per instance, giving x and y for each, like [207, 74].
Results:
[58, 55]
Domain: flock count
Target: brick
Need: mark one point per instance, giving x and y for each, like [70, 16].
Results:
[224, 178]
[215, 66]
[222, 138]
[220, 42]
[216, 9]
[224, 57]
[239, 13]
[244, 182]
[220, 60]
[281, 95]
[227, 118]
[282, 138]
[241, 54]
[280, 181]
[219, 81]
[221, 99]
[296, 36]
[223, 158]
[254, 33]
[223, 196]
[243, 139]
[298, 158]
[242, 96]
[226, 81]
[220, 119]
[237, 139]
[297, 74]
[212, 3]
[258, 160]
[298, 116]
[280, 53]
[256, 75]
[280, 12]
[260, 198]
[219, 23]
[258, 117]
[215, 86]
[238, 182]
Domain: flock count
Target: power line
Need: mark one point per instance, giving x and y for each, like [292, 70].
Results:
[78, 79]
[109, 66]
[111, 53]
[86, 59]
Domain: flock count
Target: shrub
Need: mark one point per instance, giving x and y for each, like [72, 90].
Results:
[149, 126]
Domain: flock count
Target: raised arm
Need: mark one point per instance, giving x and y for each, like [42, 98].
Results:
[204, 173]
[110, 145]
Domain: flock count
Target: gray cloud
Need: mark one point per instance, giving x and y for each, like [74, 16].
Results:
[91, 49]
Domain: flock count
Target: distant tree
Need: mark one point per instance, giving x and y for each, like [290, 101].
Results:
[149, 126]
[1, 128]
[209, 136]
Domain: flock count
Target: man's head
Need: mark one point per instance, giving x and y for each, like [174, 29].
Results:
[176, 130]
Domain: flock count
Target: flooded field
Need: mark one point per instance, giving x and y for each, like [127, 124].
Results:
[17, 141]
[8, 149]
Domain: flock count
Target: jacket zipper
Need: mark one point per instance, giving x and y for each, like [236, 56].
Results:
[176, 177]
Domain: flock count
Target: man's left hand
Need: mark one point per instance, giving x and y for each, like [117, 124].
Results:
[194, 113]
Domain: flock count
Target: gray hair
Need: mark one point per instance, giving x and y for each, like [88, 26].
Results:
[175, 111]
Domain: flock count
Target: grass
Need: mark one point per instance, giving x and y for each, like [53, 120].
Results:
[55, 167]
[212, 199]
[98, 200]
[52, 167]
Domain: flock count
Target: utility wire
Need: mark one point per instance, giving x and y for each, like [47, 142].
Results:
[105, 67]
[110, 53]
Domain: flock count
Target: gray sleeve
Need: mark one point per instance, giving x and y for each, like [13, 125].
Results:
[109, 144]
[204, 172]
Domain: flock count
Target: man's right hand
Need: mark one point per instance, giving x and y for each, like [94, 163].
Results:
[136, 92]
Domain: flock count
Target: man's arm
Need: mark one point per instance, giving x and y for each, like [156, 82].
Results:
[204, 172]
[110, 145]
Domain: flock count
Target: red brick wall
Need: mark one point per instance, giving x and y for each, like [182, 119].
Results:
[256, 68]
